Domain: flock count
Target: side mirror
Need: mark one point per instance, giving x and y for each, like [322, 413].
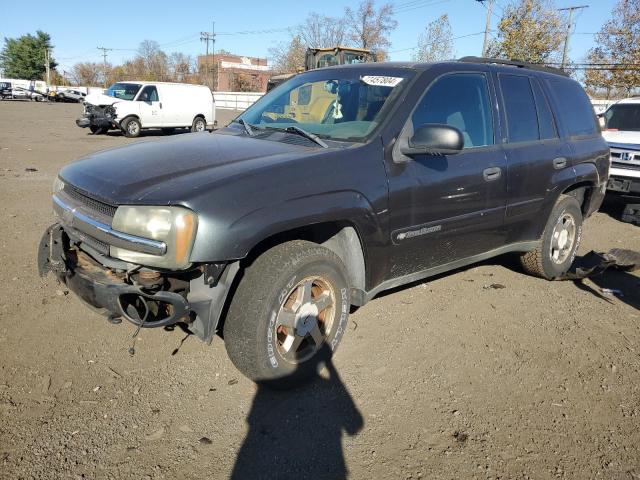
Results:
[435, 139]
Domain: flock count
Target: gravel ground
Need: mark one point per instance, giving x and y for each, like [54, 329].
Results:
[456, 377]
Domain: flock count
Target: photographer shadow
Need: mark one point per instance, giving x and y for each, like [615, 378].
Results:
[297, 434]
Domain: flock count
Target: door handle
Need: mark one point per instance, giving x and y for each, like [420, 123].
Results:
[559, 163]
[160, 104]
[492, 173]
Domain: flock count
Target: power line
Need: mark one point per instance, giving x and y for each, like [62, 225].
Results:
[431, 43]
[417, 5]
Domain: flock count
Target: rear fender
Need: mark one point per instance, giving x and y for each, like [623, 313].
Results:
[583, 173]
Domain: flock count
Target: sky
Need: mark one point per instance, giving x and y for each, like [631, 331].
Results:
[250, 27]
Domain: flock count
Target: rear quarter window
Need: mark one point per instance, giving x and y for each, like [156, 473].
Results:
[573, 107]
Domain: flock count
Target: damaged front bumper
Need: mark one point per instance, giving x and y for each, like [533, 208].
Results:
[144, 297]
[98, 117]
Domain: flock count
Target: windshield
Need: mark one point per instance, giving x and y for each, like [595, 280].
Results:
[625, 116]
[338, 105]
[123, 91]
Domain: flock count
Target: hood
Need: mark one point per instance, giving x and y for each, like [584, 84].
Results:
[175, 169]
[101, 99]
[622, 138]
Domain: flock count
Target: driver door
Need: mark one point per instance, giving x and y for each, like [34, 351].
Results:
[150, 107]
[449, 207]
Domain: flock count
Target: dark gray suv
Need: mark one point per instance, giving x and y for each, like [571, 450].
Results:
[340, 183]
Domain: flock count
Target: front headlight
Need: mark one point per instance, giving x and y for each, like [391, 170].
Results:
[58, 185]
[175, 226]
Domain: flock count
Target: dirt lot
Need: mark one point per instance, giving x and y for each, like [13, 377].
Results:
[450, 378]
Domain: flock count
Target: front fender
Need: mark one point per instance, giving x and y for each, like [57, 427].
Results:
[217, 241]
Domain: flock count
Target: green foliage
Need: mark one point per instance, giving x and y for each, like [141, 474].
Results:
[24, 57]
[529, 30]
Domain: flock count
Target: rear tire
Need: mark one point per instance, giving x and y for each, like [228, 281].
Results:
[557, 248]
[199, 125]
[288, 314]
[131, 127]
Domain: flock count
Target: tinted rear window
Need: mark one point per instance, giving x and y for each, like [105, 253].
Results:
[623, 116]
[520, 107]
[574, 107]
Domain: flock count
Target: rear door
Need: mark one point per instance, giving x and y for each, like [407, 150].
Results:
[150, 107]
[449, 207]
[534, 150]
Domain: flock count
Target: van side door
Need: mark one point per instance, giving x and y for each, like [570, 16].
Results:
[150, 107]
[446, 208]
[535, 154]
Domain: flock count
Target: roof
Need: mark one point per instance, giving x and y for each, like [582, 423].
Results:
[147, 82]
[494, 62]
[631, 100]
[339, 47]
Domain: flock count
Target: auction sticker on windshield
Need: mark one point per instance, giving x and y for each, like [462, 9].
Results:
[381, 81]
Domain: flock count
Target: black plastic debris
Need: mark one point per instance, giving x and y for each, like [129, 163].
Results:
[595, 263]
[631, 213]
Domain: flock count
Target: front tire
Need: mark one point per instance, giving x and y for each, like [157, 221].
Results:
[288, 314]
[131, 127]
[559, 243]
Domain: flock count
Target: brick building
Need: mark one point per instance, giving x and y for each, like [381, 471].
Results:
[235, 73]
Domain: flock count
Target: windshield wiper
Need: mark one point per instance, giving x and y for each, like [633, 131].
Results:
[247, 127]
[302, 133]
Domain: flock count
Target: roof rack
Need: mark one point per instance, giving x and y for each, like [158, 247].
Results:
[514, 63]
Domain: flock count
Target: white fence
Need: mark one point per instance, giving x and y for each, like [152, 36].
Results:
[235, 100]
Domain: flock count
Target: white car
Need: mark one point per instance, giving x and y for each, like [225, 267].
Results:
[136, 105]
[621, 130]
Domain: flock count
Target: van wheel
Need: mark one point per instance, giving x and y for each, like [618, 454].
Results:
[131, 127]
[288, 314]
[559, 243]
[199, 125]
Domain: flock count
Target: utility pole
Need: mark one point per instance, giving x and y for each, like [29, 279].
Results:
[565, 51]
[47, 66]
[104, 64]
[210, 37]
[487, 27]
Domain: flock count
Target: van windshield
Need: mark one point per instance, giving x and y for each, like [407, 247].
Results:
[623, 116]
[334, 104]
[123, 91]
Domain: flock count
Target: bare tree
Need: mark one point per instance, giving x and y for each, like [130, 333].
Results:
[369, 27]
[288, 57]
[529, 30]
[88, 73]
[618, 45]
[321, 31]
[436, 42]
[155, 61]
[180, 66]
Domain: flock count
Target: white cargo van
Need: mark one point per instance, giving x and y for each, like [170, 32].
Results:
[133, 106]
